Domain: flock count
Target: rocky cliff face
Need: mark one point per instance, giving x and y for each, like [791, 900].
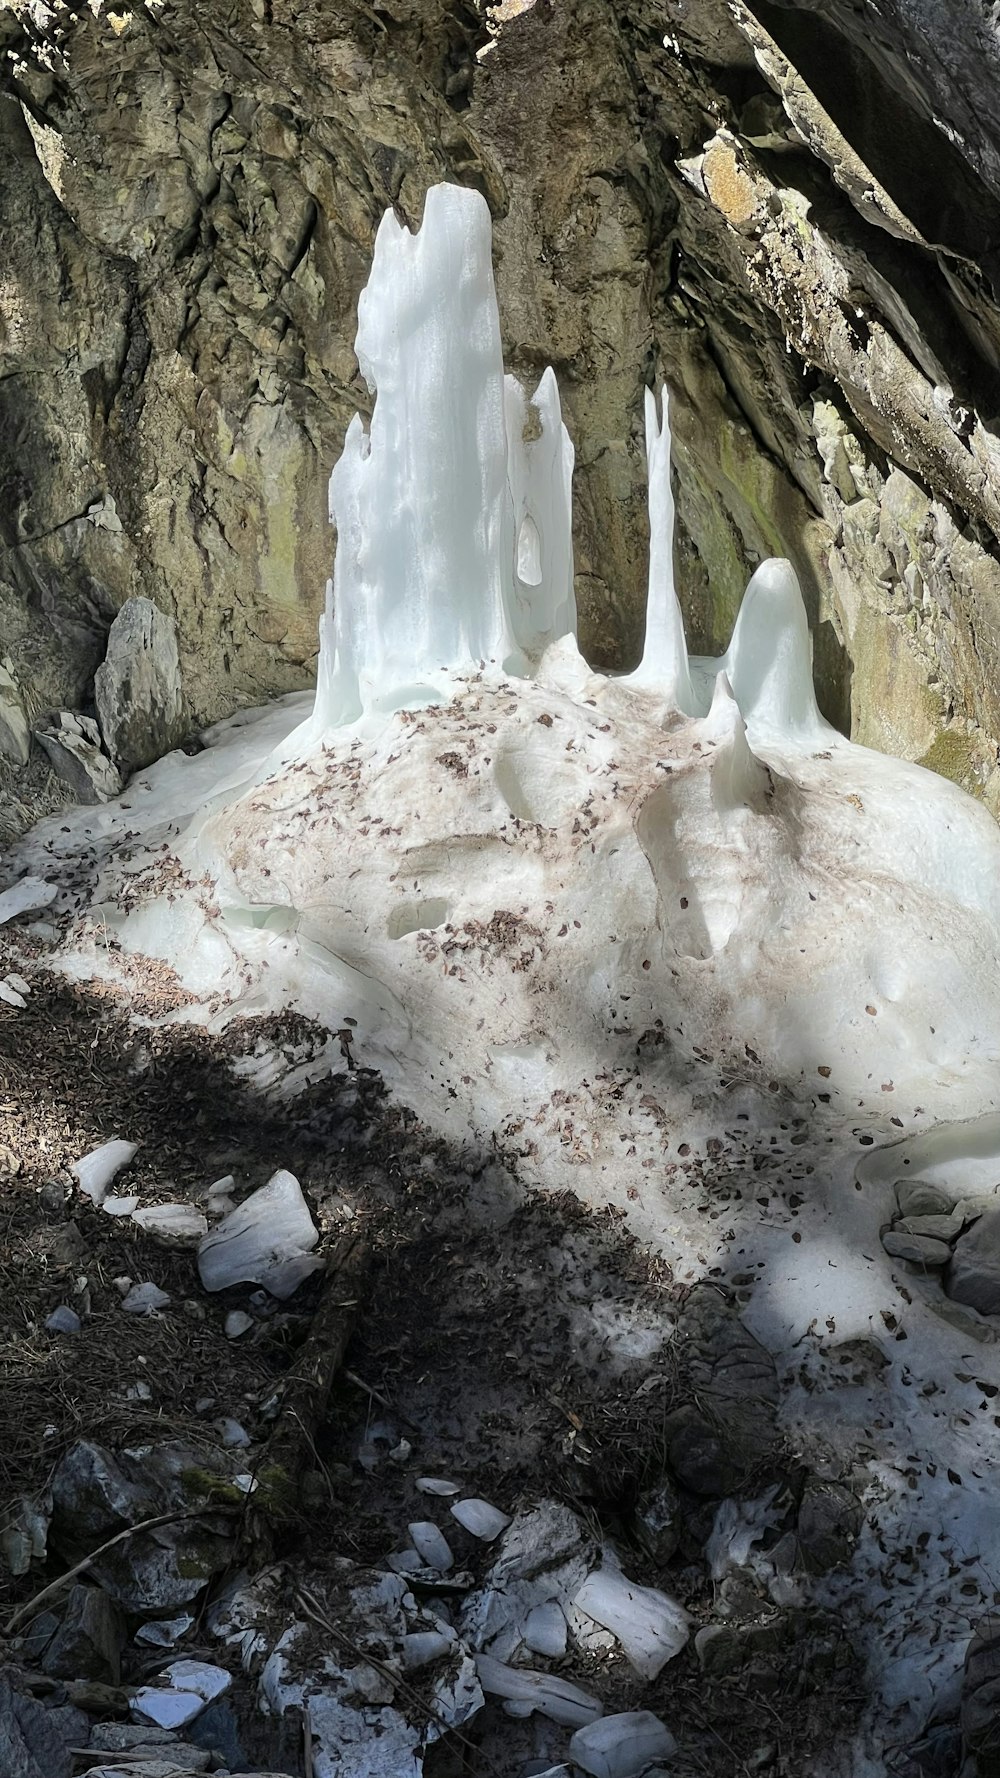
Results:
[791, 210]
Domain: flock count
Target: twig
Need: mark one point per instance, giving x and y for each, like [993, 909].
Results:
[56, 1586]
[383, 1400]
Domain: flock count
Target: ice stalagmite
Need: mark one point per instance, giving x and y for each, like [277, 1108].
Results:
[664, 664]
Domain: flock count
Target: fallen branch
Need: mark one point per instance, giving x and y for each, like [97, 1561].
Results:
[56, 1586]
[293, 1442]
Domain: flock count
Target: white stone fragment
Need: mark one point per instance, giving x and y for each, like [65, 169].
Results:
[167, 1708]
[650, 1627]
[621, 1746]
[201, 1677]
[25, 897]
[173, 1225]
[18, 983]
[143, 1299]
[233, 1435]
[237, 1323]
[431, 1545]
[11, 997]
[115, 1206]
[267, 1240]
[554, 1698]
[480, 1519]
[63, 1320]
[94, 1171]
[405, 1562]
[424, 1646]
[429, 1484]
[545, 1629]
[164, 1632]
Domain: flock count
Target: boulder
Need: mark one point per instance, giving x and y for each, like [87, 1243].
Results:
[973, 1277]
[137, 689]
[73, 744]
[89, 1640]
[15, 738]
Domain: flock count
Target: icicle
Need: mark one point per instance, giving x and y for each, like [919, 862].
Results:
[540, 472]
[664, 664]
[769, 660]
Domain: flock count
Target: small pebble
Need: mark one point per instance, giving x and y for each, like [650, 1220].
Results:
[237, 1323]
[63, 1320]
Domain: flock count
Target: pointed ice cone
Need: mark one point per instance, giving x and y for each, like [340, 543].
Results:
[769, 661]
[738, 778]
[664, 664]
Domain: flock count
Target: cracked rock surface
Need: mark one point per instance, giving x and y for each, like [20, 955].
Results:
[792, 209]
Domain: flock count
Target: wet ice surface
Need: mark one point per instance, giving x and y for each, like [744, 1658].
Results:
[677, 945]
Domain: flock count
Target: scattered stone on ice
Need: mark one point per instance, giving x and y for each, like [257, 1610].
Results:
[431, 1545]
[621, 1746]
[63, 1320]
[173, 1225]
[429, 1484]
[528, 1691]
[119, 1206]
[916, 1197]
[268, 1240]
[545, 1629]
[237, 1323]
[25, 897]
[917, 1250]
[15, 737]
[73, 744]
[650, 1627]
[165, 1632]
[939, 1228]
[95, 1170]
[144, 1299]
[973, 1278]
[480, 1519]
[137, 688]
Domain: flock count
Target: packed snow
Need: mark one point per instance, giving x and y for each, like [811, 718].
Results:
[667, 939]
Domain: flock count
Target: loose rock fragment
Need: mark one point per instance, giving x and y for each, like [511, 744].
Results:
[174, 1225]
[63, 1320]
[621, 1746]
[554, 1698]
[480, 1518]
[650, 1627]
[431, 1545]
[73, 744]
[918, 1250]
[237, 1323]
[144, 1299]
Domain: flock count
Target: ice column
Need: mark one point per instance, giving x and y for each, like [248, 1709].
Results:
[424, 567]
[540, 473]
[664, 664]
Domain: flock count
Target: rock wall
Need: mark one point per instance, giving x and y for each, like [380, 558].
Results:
[792, 210]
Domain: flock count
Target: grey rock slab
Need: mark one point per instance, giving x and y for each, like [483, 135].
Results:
[89, 1640]
[35, 1741]
[15, 736]
[137, 689]
[73, 744]
[973, 1278]
[918, 1250]
[916, 1197]
[939, 1228]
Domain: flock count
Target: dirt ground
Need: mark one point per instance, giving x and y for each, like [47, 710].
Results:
[516, 1343]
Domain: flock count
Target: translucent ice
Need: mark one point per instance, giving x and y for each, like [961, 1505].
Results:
[650, 1627]
[266, 1240]
[429, 1543]
[480, 1518]
[25, 897]
[555, 1698]
[95, 1171]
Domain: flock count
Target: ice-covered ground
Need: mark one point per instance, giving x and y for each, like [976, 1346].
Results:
[668, 940]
